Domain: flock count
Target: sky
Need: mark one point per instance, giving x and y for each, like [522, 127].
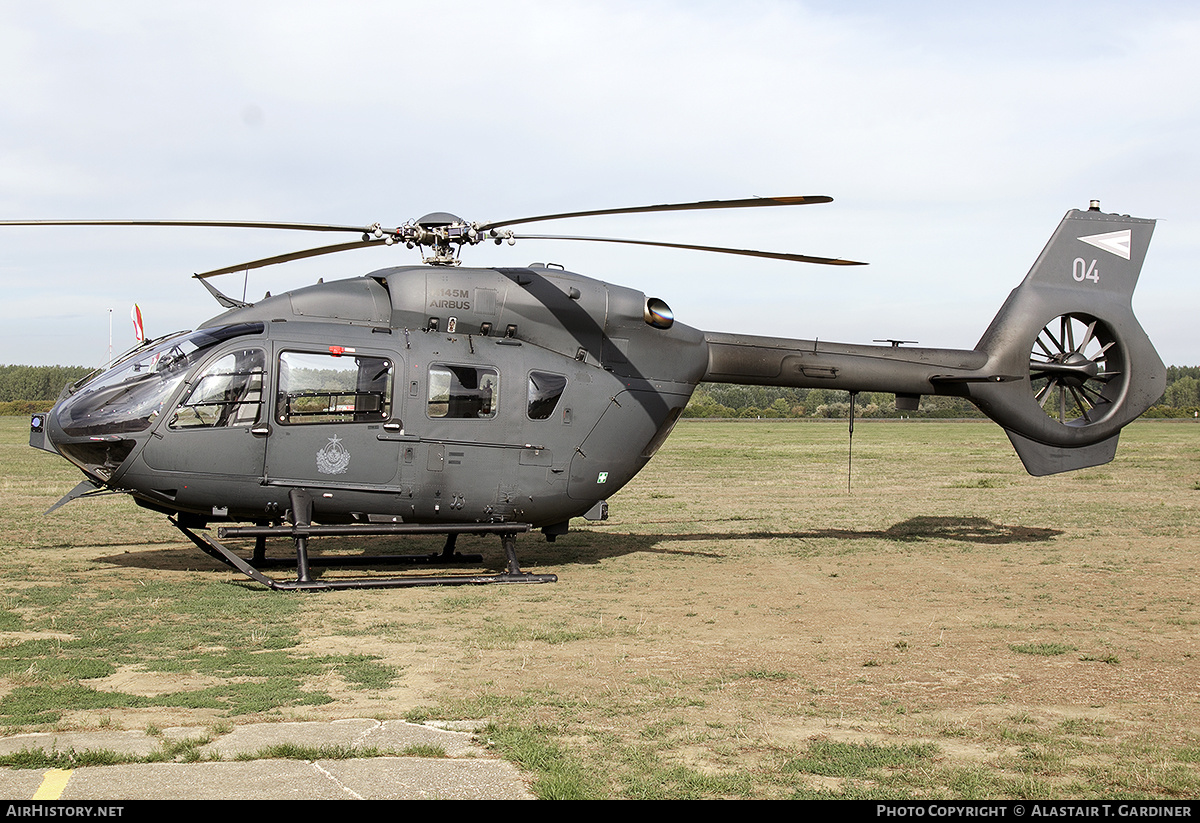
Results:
[952, 136]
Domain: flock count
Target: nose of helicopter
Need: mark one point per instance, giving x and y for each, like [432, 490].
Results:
[99, 421]
[90, 430]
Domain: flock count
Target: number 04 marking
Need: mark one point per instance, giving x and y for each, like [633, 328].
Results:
[1081, 271]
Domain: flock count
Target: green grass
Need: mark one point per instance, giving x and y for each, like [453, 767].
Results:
[71, 759]
[188, 751]
[836, 759]
[763, 674]
[1048, 649]
[367, 673]
[297, 751]
[560, 774]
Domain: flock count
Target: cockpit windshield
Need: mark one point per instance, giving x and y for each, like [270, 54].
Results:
[130, 395]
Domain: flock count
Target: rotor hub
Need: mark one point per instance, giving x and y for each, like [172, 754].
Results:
[1072, 369]
[439, 219]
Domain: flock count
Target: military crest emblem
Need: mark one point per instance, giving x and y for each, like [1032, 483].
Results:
[333, 458]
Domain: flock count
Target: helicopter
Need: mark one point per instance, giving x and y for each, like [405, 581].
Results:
[445, 399]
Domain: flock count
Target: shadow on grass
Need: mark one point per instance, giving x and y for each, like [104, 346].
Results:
[584, 547]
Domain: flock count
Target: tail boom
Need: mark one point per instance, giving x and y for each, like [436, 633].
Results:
[777, 361]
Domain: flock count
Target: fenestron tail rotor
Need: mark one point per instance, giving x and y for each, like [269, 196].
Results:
[1076, 369]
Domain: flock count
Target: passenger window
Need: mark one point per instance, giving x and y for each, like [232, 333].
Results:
[544, 391]
[463, 392]
[227, 393]
[325, 388]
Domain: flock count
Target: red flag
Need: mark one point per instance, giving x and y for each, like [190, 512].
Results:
[135, 314]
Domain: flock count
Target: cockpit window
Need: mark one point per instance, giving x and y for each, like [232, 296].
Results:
[463, 392]
[130, 396]
[545, 389]
[327, 388]
[227, 393]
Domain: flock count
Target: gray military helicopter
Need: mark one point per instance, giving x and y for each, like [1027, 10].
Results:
[443, 399]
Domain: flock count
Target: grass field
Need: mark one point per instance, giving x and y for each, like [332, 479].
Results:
[742, 627]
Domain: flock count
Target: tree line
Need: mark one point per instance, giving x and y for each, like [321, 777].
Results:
[26, 389]
[1181, 399]
[723, 400]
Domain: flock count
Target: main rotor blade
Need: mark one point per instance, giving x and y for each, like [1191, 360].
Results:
[776, 255]
[750, 202]
[235, 224]
[285, 258]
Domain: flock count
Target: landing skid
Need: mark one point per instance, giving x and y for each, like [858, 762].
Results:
[446, 556]
[301, 532]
